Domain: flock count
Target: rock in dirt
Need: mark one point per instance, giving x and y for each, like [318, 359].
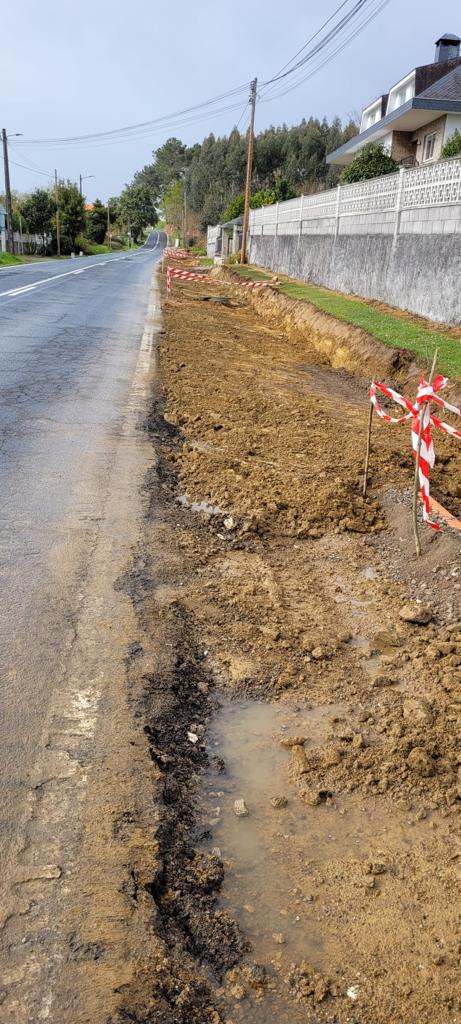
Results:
[416, 612]
[417, 711]
[458, 782]
[292, 741]
[384, 679]
[299, 762]
[307, 982]
[313, 795]
[241, 809]
[279, 802]
[420, 762]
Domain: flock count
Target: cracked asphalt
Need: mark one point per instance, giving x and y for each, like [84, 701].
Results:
[70, 336]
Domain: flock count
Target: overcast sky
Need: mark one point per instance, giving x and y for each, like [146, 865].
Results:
[70, 68]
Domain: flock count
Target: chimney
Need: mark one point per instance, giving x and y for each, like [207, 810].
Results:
[446, 48]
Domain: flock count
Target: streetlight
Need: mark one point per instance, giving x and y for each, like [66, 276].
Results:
[83, 177]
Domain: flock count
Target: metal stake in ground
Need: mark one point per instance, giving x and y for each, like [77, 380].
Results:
[367, 455]
[417, 460]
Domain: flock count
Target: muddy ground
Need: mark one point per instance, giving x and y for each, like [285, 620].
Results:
[283, 674]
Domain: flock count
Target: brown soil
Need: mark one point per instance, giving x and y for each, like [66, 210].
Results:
[287, 586]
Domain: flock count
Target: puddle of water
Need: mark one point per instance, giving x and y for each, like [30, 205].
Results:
[273, 856]
[199, 506]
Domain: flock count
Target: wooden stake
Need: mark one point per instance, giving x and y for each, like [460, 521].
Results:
[417, 460]
[367, 456]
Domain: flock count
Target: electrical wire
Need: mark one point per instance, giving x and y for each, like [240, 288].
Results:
[201, 111]
[31, 166]
[141, 127]
[325, 23]
[329, 57]
[333, 32]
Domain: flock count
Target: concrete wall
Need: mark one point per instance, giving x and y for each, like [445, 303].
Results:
[418, 270]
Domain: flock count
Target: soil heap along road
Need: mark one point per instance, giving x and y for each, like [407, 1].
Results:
[302, 682]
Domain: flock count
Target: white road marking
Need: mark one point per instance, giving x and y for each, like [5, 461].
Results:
[13, 292]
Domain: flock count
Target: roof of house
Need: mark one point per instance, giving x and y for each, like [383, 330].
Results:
[446, 88]
[448, 37]
[230, 223]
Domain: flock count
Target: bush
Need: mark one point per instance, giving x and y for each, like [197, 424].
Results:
[453, 146]
[371, 162]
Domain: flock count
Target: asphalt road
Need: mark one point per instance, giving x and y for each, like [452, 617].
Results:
[70, 337]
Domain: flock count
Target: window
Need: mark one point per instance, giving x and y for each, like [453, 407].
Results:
[401, 93]
[429, 146]
[370, 116]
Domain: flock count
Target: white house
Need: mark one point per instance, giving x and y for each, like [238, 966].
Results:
[418, 114]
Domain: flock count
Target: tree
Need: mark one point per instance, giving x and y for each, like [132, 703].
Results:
[265, 197]
[96, 222]
[213, 172]
[371, 162]
[137, 208]
[37, 211]
[71, 214]
[453, 146]
[173, 206]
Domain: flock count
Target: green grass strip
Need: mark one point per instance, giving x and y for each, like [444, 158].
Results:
[392, 330]
[7, 258]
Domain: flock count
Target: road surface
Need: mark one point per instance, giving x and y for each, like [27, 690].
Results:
[71, 361]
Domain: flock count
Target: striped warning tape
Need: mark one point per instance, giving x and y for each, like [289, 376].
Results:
[183, 275]
[426, 393]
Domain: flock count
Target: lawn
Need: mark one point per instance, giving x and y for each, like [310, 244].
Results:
[7, 259]
[391, 329]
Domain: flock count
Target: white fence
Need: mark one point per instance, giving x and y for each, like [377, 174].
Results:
[417, 200]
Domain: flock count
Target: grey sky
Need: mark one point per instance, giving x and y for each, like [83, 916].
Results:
[71, 68]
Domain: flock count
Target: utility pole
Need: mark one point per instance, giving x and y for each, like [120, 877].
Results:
[58, 225]
[9, 204]
[185, 236]
[81, 179]
[251, 129]
[108, 225]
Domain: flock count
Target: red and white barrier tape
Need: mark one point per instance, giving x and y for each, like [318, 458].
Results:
[183, 275]
[426, 393]
[177, 254]
[254, 284]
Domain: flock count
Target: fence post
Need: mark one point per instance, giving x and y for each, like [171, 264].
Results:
[338, 209]
[275, 234]
[301, 216]
[398, 202]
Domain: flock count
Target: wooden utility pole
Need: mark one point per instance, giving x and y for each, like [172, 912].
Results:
[9, 204]
[251, 129]
[58, 225]
[108, 225]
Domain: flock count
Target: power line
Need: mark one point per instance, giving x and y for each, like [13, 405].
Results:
[31, 166]
[34, 169]
[325, 23]
[329, 57]
[334, 31]
[142, 127]
[201, 111]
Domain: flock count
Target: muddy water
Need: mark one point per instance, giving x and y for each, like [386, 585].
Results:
[273, 857]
